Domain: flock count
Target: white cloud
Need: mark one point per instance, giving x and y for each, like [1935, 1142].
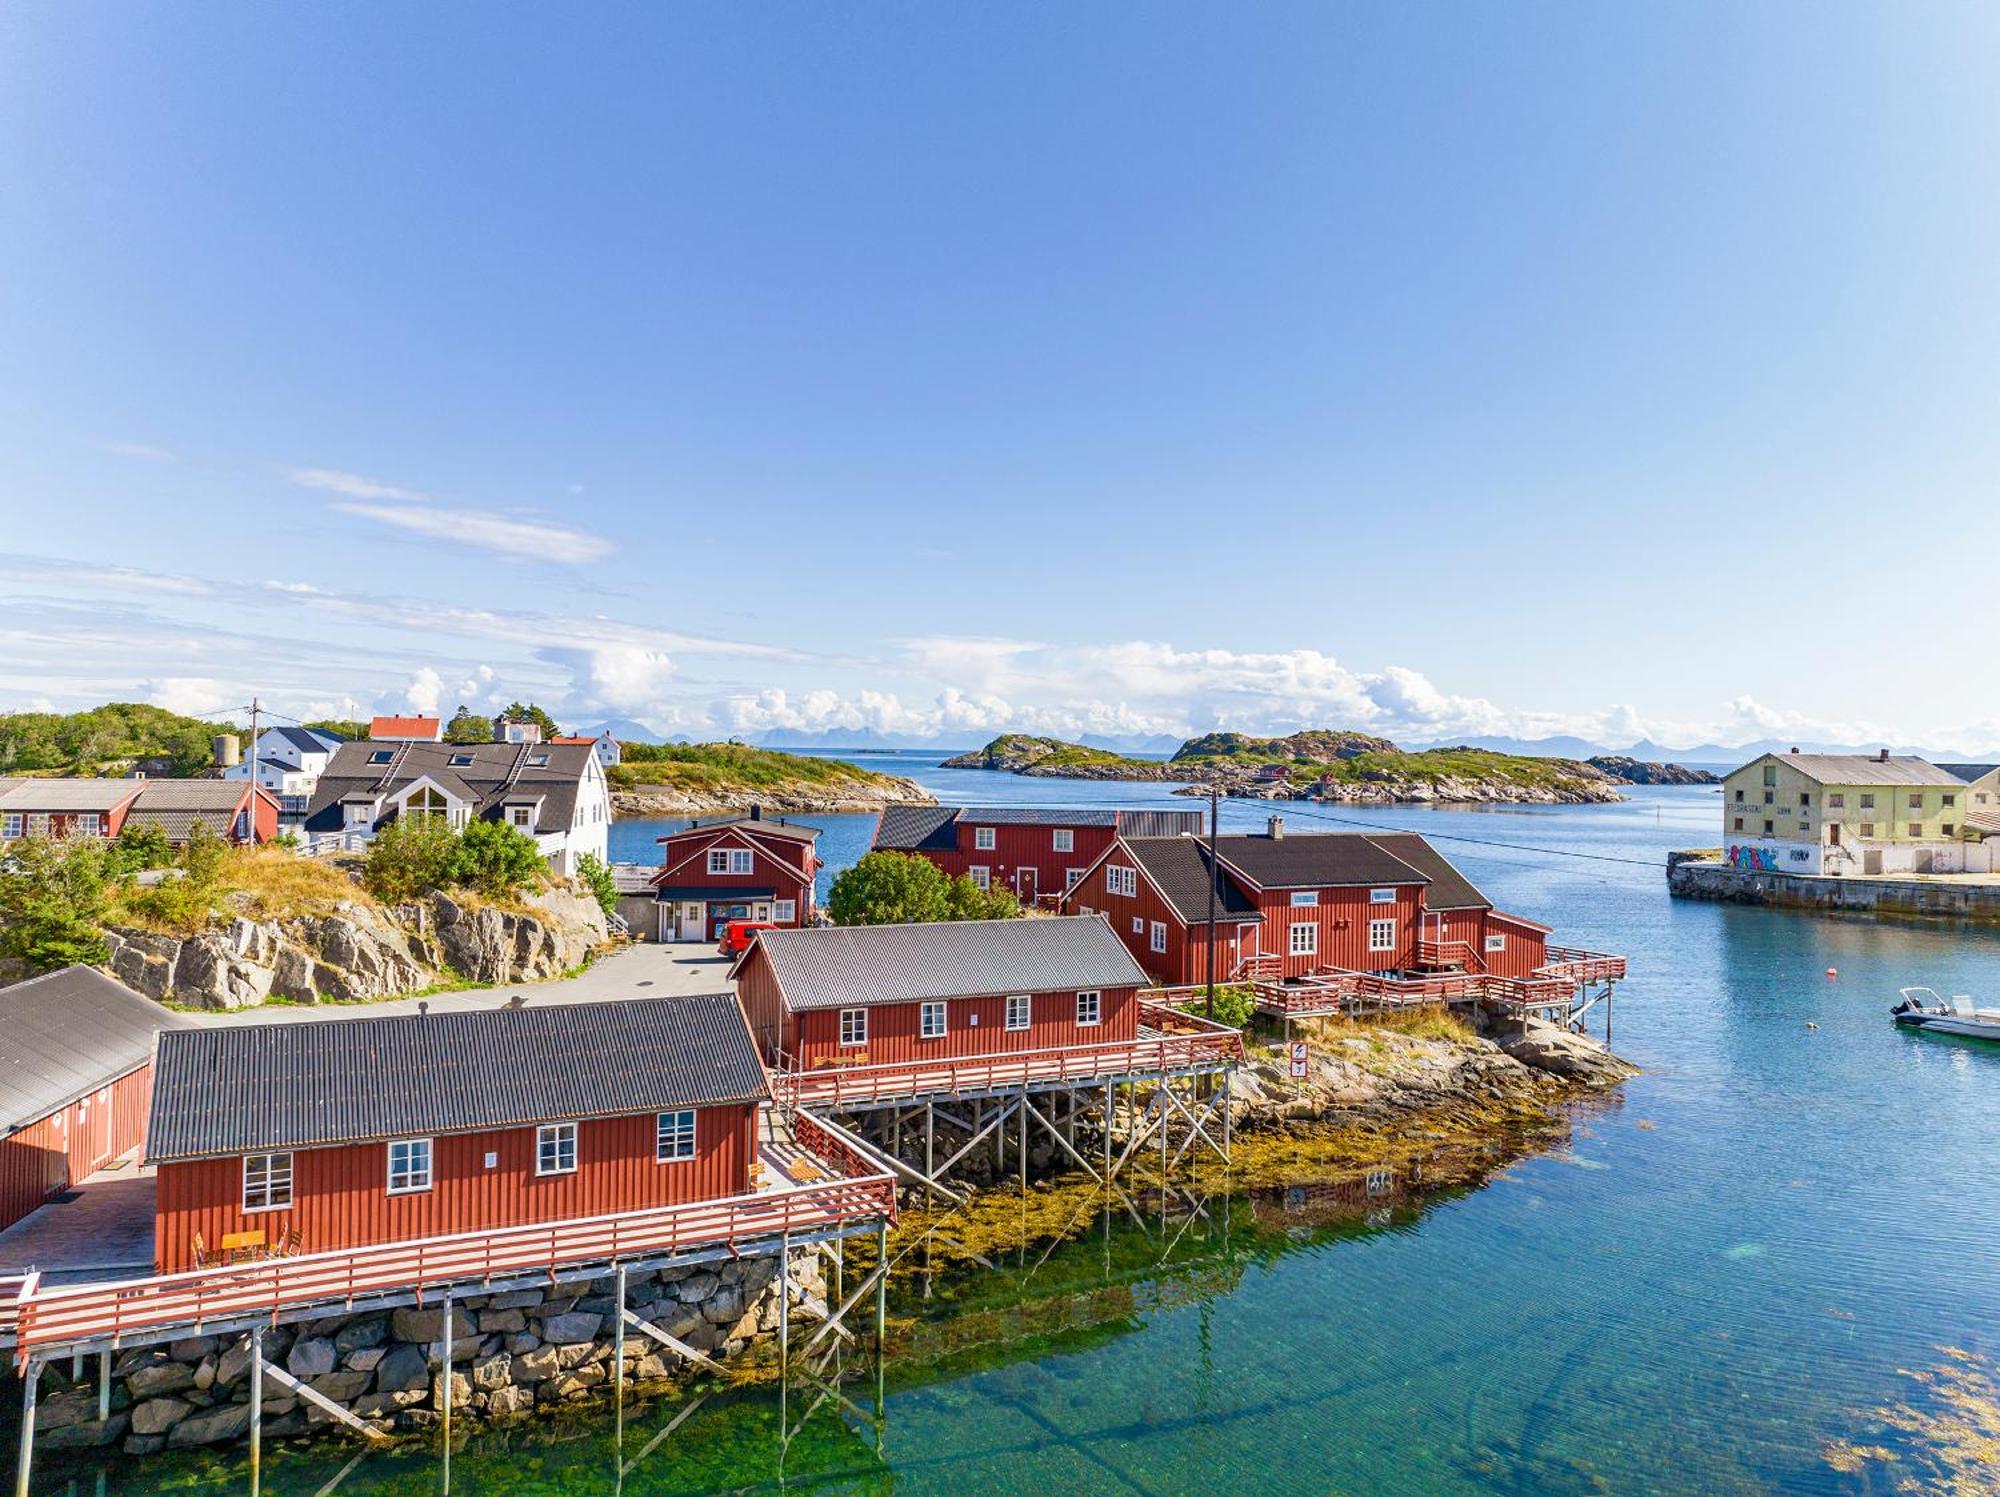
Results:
[189, 694]
[352, 485]
[623, 676]
[537, 540]
[425, 691]
[46, 570]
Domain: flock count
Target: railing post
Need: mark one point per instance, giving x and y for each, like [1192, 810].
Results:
[32, 1375]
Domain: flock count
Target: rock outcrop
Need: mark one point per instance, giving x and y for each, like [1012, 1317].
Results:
[359, 952]
[629, 801]
[1644, 772]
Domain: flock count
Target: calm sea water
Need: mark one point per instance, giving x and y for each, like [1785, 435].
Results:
[1730, 1267]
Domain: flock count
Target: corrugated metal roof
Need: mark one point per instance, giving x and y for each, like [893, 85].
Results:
[65, 1034]
[1162, 823]
[1865, 769]
[854, 965]
[192, 795]
[1037, 816]
[1178, 868]
[257, 1087]
[763, 825]
[917, 829]
[1449, 889]
[70, 794]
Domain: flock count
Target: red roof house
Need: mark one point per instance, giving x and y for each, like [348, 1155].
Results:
[747, 867]
[406, 730]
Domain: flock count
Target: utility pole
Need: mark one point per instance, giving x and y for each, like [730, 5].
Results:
[1214, 807]
[250, 815]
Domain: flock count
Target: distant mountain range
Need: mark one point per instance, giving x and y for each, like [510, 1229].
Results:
[869, 740]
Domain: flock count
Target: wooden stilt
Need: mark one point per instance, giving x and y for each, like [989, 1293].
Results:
[445, 1399]
[256, 1409]
[31, 1377]
[930, 1150]
[882, 1284]
[103, 1385]
[672, 1343]
[784, 1304]
[618, 1339]
[1024, 1140]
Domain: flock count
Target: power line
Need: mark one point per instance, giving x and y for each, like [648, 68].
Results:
[1553, 852]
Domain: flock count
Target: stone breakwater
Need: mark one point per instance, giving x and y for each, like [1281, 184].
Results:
[512, 1353]
[360, 952]
[1697, 875]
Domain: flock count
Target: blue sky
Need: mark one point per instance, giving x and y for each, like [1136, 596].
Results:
[1439, 370]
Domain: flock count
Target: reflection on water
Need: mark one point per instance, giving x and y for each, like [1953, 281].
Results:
[1712, 1287]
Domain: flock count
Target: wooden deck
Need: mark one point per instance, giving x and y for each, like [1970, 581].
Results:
[1169, 1042]
[1334, 991]
[849, 1191]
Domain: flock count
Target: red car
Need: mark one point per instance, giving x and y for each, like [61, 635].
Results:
[738, 934]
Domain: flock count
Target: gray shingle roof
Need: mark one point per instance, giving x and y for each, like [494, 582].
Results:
[1449, 889]
[764, 826]
[1037, 816]
[1314, 860]
[310, 740]
[69, 795]
[1866, 769]
[1967, 773]
[1178, 867]
[255, 1087]
[499, 772]
[856, 965]
[174, 806]
[65, 1034]
[917, 829]
[935, 828]
[1162, 823]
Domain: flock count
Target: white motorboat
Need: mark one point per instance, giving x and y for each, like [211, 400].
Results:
[1922, 1008]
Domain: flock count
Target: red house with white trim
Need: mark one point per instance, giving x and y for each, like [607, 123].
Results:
[748, 867]
[1289, 905]
[1037, 851]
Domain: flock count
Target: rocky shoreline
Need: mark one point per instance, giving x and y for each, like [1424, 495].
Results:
[656, 802]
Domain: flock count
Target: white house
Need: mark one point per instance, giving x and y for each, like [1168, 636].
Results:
[556, 793]
[608, 751]
[288, 762]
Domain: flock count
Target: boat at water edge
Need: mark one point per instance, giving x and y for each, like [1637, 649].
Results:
[1922, 1008]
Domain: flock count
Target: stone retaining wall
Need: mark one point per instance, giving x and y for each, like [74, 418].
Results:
[511, 1352]
[1917, 898]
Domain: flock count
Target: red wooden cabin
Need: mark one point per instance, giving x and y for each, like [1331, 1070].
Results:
[345, 1133]
[76, 1076]
[65, 807]
[233, 809]
[739, 868]
[899, 994]
[1288, 905]
[1034, 851]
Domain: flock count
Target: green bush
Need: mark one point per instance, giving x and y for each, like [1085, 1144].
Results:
[139, 846]
[410, 857]
[51, 897]
[889, 888]
[1235, 1005]
[967, 901]
[496, 859]
[596, 876]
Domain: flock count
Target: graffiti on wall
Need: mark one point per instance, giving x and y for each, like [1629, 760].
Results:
[1747, 859]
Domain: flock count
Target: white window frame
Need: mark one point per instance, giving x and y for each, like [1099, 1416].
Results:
[1138, 925]
[674, 1136]
[1063, 839]
[1118, 879]
[854, 1026]
[521, 816]
[731, 860]
[784, 911]
[1303, 939]
[11, 824]
[414, 1171]
[983, 839]
[1020, 1010]
[90, 824]
[933, 1009]
[1157, 940]
[1089, 1009]
[981, 875]
[270, 1177]
[1072, 877]
[1381, 935]
[1496, 942]
[1381, 896]
[1304, 898]
[550, 1140]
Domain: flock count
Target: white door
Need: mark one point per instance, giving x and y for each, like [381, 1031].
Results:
[692, 914]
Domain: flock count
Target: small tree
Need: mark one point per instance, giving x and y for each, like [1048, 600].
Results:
[140, 845]
[530, 713]
[889, 888]
[467, 726]
[596, 876]
[496, 859]
[51, 898]
[409, 857]
[967, 901]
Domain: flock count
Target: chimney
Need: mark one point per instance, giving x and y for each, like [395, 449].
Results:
[1276, 827]
[1795, 748]
[756, 812]
[1882, 757]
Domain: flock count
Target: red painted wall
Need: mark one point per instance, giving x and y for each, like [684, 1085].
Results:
[1183, 961]
[47, 1157]
[1527, 945]
[1017, 847]
[776, 863]
[340, 1195]
[893, 1029]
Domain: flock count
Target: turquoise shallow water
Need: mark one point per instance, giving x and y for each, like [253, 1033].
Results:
[1728, 1267]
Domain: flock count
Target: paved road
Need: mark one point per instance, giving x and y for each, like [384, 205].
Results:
[641, 970]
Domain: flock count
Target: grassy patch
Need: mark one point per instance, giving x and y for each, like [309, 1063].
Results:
[733, 766]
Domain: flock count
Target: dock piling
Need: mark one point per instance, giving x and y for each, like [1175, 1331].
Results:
[31, 1377]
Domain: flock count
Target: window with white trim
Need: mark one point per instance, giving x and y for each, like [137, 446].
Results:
[673, 1136]
[931, 1021]
[521, 816]
[1121, 880]
[409, 1166]
[89, 824]
[1158, 940]
[981, 875]
[854, 1026]
[1381, 935]
[1305, 939]
[267, 1182]
[1062, 839]
[784, 911]
[1496, 943]
[1071, 878]
[1138, 925]
[1089, 1009]
[10, 825]
[1381, 896]
[729, 860]
[1018, 1006]
[555, 1149]
[1301, 898]
[982, 839]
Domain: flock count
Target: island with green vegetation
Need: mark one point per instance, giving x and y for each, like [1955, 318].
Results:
[1317, 764]
[108, 740]
[682, 779]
